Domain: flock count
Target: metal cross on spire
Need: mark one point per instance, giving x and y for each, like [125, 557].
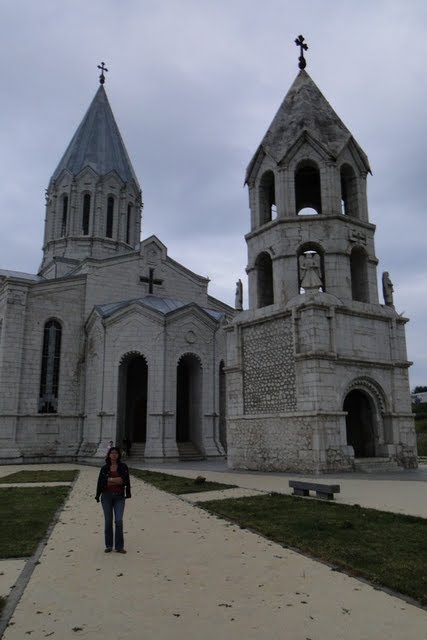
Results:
[303, 47]
[103, 68]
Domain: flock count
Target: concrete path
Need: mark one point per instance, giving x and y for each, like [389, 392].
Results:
[190, 575]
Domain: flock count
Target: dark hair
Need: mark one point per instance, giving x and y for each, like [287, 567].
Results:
[108, 459]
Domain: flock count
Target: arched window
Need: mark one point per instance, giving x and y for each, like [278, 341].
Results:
[311, 268]
[222, 406]
[308, 198]
[349, 199]
[128, 223]
[267, 198]
[359, 275]
[64, 215]
[110, 217]
[264, 269]
[86, 214]
[49, 378]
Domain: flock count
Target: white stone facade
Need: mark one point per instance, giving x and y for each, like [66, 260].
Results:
[114, 340]
[106, 318]
[317, 367]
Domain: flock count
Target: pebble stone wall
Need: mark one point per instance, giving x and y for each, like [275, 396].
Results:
[269, 368]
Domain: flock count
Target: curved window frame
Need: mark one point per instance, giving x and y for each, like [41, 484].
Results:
[50, 365]
[86, 214]
[64, 218]
[110, 217]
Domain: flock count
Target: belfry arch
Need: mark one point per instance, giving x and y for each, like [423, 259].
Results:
[264, 280]
[267, 198]
[133, 392]
[308, 197]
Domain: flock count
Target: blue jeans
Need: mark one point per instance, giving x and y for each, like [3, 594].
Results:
[113, 503]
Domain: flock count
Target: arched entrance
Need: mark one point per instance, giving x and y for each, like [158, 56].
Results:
[133, 384]
[360, 423]
[189, 399]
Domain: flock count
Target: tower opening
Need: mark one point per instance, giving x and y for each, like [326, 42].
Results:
[64, 215]
[86, 214]
[110, 217]
[307, 189]
[267, 198]
[264, 270]
[188, 399]
[360, 423]
[349, 197]
[359, 274]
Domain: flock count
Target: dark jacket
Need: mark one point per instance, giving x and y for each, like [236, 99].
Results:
[102, 484]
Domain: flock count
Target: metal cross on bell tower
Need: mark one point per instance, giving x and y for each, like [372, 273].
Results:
[102, 76]
[303, 47]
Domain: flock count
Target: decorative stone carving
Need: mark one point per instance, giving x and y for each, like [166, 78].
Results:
[239, 296]
[387, 289]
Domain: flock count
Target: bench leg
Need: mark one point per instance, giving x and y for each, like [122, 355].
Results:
[324, 496]
[301, 492]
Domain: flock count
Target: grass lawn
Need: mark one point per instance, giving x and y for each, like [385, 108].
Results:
[385, 548]
[177, 484]
[28, 512]
[36, 475]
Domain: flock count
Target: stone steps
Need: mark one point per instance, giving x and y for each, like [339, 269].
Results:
[376, 465]
[188, 451]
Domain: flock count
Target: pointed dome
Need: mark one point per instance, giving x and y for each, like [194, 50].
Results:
[305, 110]
[98, 144]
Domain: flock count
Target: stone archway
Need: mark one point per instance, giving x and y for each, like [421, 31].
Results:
[133, 386]
[361, 424]
[189, 399]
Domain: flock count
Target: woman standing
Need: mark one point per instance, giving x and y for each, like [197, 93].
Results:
[113, 487]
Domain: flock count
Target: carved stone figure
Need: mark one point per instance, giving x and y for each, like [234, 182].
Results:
[387, 290]
[239, 296]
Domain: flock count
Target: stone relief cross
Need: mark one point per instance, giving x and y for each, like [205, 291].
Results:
[303, 47]
[150, 280]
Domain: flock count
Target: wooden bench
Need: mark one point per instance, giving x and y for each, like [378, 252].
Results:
[325, 491]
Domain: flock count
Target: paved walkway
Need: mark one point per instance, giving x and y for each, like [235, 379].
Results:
[190, 575]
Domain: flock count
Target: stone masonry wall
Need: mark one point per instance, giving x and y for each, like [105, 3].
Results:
[268, 367]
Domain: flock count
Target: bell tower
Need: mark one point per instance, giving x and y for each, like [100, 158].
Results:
[317, 367]
[93, 201]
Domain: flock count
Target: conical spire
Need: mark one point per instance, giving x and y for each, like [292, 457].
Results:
[97, 144]
[305, 110]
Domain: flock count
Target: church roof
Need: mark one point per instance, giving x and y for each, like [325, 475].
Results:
[162, 305]
[305, 110]
[97, 144]
[5, 273]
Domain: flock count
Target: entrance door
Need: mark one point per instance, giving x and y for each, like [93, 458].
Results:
[188, 399]
[133, 382]
[360, 424]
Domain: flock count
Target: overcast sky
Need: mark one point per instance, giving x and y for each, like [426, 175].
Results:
[194, 85]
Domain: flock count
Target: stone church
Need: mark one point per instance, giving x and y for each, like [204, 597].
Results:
[112, 339]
